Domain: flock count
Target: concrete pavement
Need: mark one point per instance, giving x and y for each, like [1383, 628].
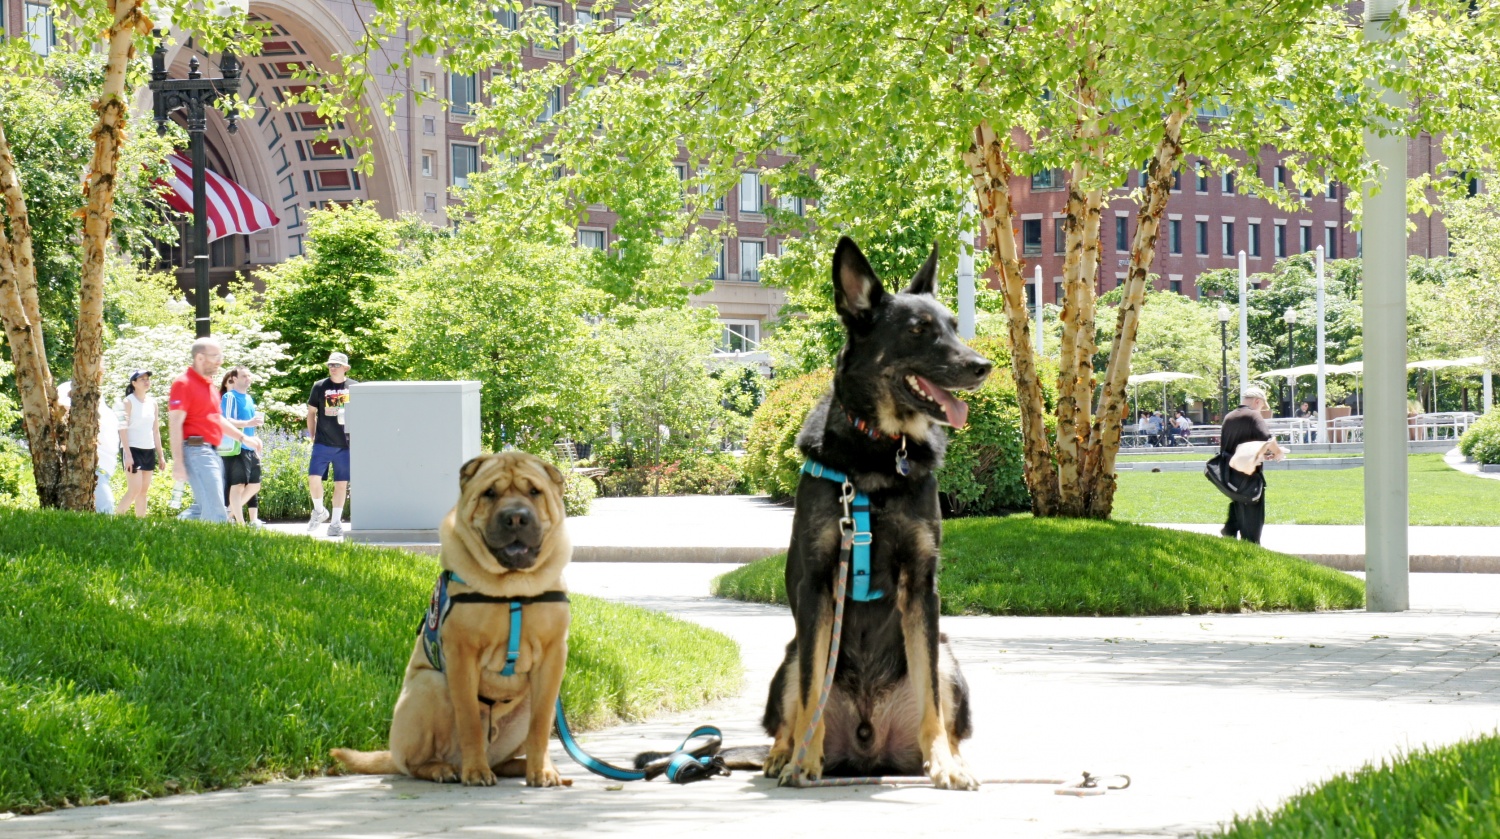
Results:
[1211, 715]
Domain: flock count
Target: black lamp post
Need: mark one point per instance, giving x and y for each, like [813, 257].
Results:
[1224, 363]
[194, 95]
[1291, 404]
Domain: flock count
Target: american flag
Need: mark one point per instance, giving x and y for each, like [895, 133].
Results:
[232, 210]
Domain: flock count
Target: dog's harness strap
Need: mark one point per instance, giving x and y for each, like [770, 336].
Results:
[857, 540]
[442, 603]
[704, 758]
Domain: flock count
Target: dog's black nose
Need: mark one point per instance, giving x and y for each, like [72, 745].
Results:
[516, 518]
[981, 366]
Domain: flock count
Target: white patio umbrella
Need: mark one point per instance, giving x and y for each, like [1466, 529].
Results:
[1436, 364]
[1163, 377]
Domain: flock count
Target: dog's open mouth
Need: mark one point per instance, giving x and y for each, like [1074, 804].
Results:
[955, 410]
[517, 554]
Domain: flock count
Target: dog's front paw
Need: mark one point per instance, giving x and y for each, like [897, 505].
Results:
[545, 775]
[478, 776]
[777, 761]
[951, 772]
[793, 774]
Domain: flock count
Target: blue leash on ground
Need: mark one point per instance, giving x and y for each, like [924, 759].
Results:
[682, 766]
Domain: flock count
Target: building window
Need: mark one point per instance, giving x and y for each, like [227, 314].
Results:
[1304, 234]
[554, 104]
[593, 239]
[739, 336]
[717, 272]
[1049, 179]
[1176, 286]
[1333, 191]
[1202, 178]
[1145, 175]
[429, 126]
[705, 187]
[1177, 180]
[508, 19]
[1330, 242]
[429, 83]
[791, 204]
[1278, 177]
[1280, 240]
[1031, 236]
[1254, 237]
[1057, 292]
[1122, 234]
[429, 163]
[1226, 183]
[1202, 231]
[41, 31]
[1059, 235]
[1359, 243]
[430, 202]
[463, 90]
[750, 195]
[465, 163]
[1228, 231]
[554, 19]
[750, 256]
[1174, 235]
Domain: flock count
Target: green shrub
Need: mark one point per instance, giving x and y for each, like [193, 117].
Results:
[718, 473]
[772, 461]
[982, 473]
[1482, 441]
[17, 485]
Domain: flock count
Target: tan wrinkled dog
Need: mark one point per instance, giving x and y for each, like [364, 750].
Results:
[467, 722]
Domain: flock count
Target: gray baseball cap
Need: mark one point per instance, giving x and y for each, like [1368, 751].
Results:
[338, 358]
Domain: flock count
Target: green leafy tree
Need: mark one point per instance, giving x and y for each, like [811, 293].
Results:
[517, 326]
[1472, 295]
[335, 297]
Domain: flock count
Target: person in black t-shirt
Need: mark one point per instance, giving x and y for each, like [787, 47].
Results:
[1245, 425]
[325, 425]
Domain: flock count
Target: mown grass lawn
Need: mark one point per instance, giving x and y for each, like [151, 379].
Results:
[1025, 566]
[1451, 792]
[1439, 495]
[148, 657]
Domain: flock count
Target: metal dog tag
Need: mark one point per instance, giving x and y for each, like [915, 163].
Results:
[903, 466]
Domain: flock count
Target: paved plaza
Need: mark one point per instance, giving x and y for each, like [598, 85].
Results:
[1211, 715]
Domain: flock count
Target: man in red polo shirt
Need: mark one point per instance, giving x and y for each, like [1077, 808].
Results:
[197, 427]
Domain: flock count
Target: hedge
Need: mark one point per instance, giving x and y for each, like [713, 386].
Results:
[1482, 441]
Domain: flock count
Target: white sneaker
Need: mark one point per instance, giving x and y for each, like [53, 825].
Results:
[257, 524]
[319, 516]
[336, 530]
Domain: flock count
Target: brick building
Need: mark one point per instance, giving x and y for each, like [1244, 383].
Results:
[1209, 220]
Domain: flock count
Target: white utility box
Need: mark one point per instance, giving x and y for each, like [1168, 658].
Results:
[407, 441]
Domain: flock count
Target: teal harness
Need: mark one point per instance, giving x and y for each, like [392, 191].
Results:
[855, 527]
[682, 766]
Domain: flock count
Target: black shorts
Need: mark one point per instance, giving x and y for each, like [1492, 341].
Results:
[142, 460]
[243, 468]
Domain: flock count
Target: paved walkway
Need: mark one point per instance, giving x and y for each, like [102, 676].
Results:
[1456, 460]
[1211, 715]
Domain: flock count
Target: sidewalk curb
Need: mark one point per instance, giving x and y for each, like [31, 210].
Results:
[1419, 563]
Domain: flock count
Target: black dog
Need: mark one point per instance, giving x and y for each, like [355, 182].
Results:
[899, 705]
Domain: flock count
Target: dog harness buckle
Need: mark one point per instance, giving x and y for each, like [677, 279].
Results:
[854, 528]
[430, 630]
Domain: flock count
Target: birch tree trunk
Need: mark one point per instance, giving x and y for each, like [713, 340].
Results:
[991, 172]
[99, 212]
[1107, 427]
[21, 315]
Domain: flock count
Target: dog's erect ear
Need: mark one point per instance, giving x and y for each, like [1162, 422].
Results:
[469, 470]
[856, 289]
[557, 477]
[925, 282]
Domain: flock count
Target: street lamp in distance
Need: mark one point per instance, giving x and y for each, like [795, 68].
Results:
[1291, 404]
[1224, 368]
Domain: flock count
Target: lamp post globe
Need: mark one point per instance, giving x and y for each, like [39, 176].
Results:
[1290, 316]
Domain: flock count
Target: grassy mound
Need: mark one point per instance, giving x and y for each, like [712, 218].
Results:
[1440, 495]
[1453, 791]
[1026, 566]
[147, 657]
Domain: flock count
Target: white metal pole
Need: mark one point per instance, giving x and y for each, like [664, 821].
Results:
[1489, 392]
[966, 273]
[1244, 330]
[1387, 562]
[1040, 340]
[1322, 374]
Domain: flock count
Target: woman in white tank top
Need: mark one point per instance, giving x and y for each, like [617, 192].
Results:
[140, 436]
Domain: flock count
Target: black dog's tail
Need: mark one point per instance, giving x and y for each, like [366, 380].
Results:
[738, 757]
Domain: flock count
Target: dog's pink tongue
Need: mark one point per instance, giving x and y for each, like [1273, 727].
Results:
[954, 408]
